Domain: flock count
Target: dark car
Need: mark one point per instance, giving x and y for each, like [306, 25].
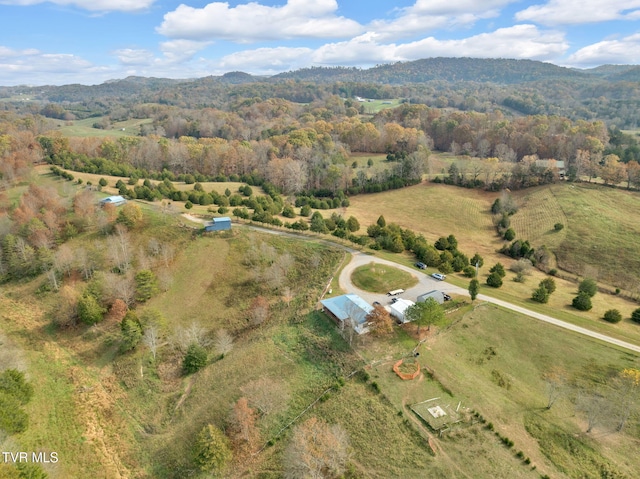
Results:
[421, 265]
[376, 303]
[446, 297]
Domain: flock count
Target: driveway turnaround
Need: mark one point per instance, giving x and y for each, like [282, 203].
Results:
[427, 283]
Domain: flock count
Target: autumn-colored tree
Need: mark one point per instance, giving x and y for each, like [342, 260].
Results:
[317, 450]
[242, 428]
[258, 311]
[379, 319]
[130, 215]
[118, 310]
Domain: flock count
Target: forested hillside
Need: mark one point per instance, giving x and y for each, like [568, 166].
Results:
[515, 87]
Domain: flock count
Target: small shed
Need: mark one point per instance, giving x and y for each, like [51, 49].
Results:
[435, 294]
[348, 306]
[218, 224]
[113, 200]
[400, 307]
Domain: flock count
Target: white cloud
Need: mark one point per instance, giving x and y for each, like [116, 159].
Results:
[451, 8]
[520, 41]
[570, 12]
[267, 60]
[91, 5]
[128, 56]
[177, 51]
[430, 15]
[617, 51]
[254, 22]
[34, 67]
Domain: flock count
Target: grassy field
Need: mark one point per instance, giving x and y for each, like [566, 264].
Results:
[84, 128]
[488, 345]
[114, 415]
[439, 210]
[380, 278]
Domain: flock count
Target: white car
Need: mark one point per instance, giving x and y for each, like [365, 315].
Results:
[438, 276]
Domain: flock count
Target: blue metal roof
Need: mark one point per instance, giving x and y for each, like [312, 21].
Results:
[349, 306]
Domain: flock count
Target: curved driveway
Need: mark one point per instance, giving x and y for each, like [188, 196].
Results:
[427, 283]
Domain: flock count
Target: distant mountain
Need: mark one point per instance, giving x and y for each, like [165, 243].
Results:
[489, 70]
[609, 71]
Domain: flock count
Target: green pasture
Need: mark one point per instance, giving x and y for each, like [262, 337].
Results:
[84, 128]
[380, 278]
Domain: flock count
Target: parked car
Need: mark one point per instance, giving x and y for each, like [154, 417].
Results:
[439, 276]
[421, 265]
[395, 292]
[377, 303]
[393, 300]
[446, 297]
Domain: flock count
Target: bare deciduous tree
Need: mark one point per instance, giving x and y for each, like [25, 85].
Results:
[626, 388]
[258, 311]
[556, 383]
[317, 450]
[268, 396]
[151, 339]
[223, 342]
[194, 334]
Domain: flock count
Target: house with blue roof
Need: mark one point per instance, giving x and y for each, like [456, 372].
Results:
[348, 309]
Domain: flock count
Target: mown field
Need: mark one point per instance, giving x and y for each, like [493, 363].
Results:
[84, 128]
[605, 221]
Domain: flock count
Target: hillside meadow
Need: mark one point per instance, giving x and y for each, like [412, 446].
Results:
[113, 414]
[591, 219]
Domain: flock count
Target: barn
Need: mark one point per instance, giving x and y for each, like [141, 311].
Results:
[113, 200]
[348, 307]
[218, 224]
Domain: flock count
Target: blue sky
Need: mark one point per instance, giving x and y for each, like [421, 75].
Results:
[91, 41]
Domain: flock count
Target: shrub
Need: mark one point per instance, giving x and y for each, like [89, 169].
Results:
[549, 284]
[212, 450]
[588, 286]
[469, 271]
[103, 182]
[188, 205]
[146, 285]
[635, 316]
[494, 280]
[553, 272]
[12, 382]
[558, 226]
[582, 302]
[89, 310]
[509, 235]
[195, 359]
[12, 418]
[498, 268]
[131, 331]
[541, 294]
[613, 316]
